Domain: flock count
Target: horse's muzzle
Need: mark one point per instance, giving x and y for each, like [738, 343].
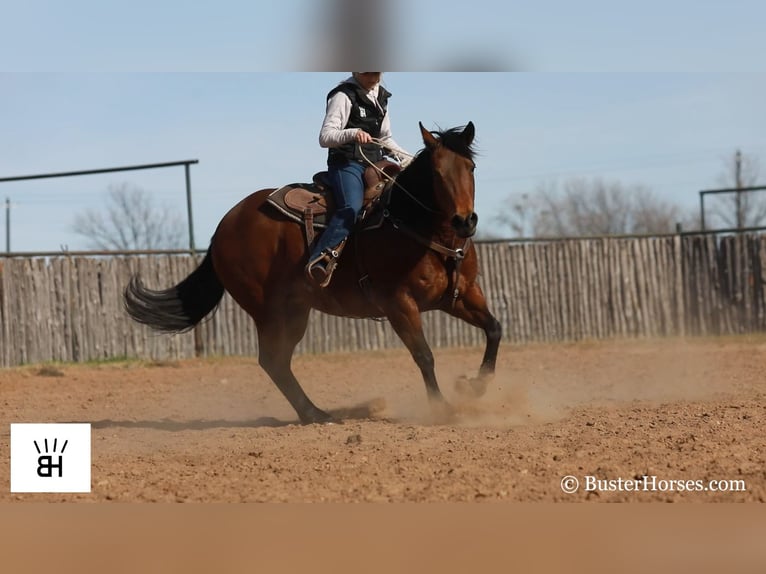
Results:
[465, 226]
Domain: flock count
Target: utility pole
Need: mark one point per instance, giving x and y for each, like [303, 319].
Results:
[738, 185]
[7, 224]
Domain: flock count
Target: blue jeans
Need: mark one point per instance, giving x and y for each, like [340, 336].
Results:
[348, 192]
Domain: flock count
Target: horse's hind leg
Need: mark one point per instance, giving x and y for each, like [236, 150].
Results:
[277, 339]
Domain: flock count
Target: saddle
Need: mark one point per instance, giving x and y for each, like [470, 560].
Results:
[312, 204]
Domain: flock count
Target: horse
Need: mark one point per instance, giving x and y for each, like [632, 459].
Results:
[421, 258]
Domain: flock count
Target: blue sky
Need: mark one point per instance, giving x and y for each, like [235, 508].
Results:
[668, 131]
[655, 93]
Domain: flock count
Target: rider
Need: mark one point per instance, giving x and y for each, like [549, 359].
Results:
[357, 112]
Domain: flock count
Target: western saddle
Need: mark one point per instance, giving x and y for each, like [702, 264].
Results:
[312, 204]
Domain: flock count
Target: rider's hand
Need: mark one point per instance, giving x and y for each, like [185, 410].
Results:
[363, 137]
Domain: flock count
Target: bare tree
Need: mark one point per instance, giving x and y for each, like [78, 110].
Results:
[516, 215]
[650, 214]
[739, 209]
[131, 220]
[588, 207]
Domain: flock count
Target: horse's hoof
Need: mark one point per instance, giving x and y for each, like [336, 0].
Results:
[471, 388]
[318, 417]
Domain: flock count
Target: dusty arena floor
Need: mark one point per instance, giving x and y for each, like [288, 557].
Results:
[218, 429]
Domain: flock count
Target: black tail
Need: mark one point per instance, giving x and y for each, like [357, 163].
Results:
[179, 308]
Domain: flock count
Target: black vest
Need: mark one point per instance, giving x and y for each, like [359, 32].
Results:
[364, 115]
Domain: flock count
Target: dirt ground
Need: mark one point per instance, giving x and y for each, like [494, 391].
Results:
[218, 429]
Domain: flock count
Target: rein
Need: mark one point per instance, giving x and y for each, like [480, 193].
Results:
[392, 180]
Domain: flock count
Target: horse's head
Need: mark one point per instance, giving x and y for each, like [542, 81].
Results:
[452, 167]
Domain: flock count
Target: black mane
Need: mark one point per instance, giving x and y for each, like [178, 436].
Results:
[453, 140]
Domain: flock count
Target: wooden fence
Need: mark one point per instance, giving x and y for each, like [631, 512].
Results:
[70, 308]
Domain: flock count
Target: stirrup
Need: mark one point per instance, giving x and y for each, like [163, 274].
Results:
[319, 270]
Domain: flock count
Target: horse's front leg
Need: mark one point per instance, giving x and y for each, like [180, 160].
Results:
[472, 308]
[405, 319]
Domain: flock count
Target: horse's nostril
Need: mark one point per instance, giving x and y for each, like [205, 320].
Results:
[465, 223]
[465, 226]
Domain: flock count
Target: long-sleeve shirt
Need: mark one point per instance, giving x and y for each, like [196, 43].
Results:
[334, 132]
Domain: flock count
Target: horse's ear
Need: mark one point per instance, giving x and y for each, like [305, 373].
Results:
[428, 137]
[468, 133]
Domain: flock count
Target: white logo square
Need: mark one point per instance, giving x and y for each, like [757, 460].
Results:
[52, 457]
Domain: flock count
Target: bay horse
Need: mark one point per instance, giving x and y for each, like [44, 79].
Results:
[421, 259]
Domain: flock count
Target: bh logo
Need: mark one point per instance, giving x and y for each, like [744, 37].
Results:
[45, 464]
[50, 457]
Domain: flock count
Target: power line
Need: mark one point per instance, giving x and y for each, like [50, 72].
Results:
[626, 164]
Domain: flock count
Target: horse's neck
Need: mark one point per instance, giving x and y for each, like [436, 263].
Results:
[413, 204]
[412, 201]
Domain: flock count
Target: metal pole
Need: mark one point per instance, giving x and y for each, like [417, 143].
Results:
[189, 208]
[738, 183]
[702, 210]
[95, 171]
[7, 224]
